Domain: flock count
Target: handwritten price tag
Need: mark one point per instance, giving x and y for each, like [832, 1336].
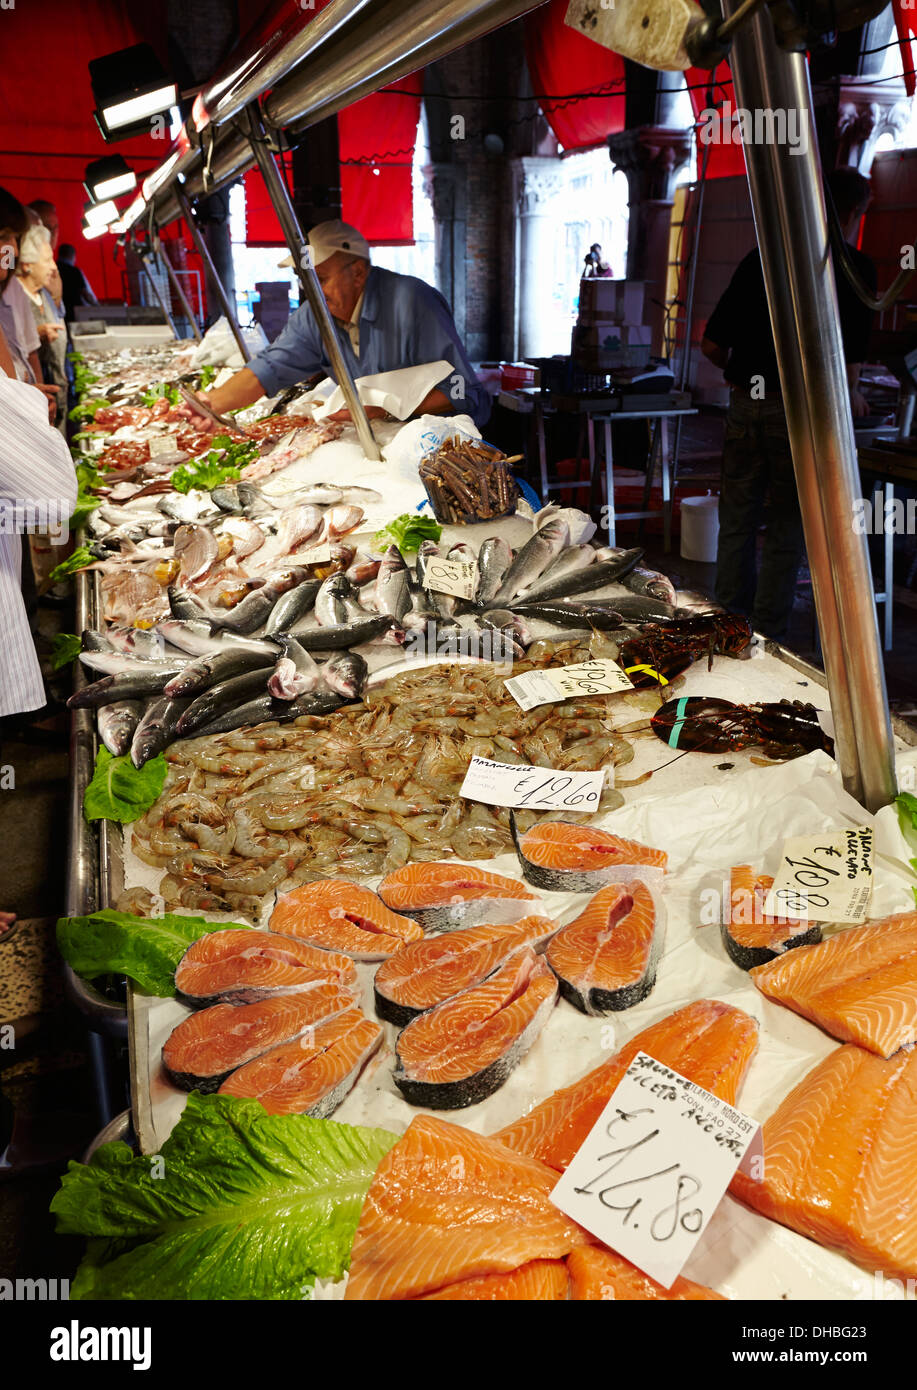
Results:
[162, 446]
[540, 788]
[599, 677]
[456, 577]
[315, 555]
[655, 1166]
[824, 878]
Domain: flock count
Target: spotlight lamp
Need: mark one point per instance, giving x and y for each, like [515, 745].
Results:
[130, 88]
[109, 177]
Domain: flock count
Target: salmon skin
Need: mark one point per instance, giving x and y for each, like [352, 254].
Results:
[446, 1205]
[206, 1048]
[462, 1051]
[596, 1273]
[312, 1075]
[709, 1042]
[542, 1281]
[448, 897]
[840, 1153]
[860, 985]
[428, 972]
[751, 938]
[563, 857]
[340, 916]
[242, 967]
[606, 958]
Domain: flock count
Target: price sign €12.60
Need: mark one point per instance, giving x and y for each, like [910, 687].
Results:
[655, 1166]
[540, 788]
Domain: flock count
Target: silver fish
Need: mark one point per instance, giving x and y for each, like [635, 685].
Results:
[121, 664]
[265, 707]
[650, 583]
[185, 605]
[569, 561]
[330, 608]
[531, 561]
[345, 673]
[187, 507]
[116, 724]
[393, 589]
[502, 620]
[603, 616]
[296, 673]
[691, 602]
[219, 698]
[133, 686]
[93, 641]
[494, 559]
[581, 581]
[443, 605]
[254, 610]
[156, 729]
[319, 639]
[292, 606]
[219, 666]
[145, 643]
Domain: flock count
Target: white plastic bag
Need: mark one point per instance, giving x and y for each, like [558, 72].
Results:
[218, 347]
[418, 438]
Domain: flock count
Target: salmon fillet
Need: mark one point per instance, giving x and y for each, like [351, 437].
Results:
[749, 936]
[596, 1273]
[244, 966]
[447, 1205]
[430, 971]
[710, 1043]
[542, 1281]
[340, 916]
[840, 1154]
[563, 856]
[463, 1050]
[312, 1075]
[206, 1047]
[448, 897]
[606, 957]
[860, 985]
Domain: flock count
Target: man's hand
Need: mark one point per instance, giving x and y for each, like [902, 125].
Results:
[50, 392]
[373, 412]
[858, 404]
[239, 391]
[48, 332]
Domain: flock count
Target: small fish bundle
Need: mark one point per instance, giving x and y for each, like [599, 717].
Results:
[468, 482]
[606, 958]
[446, 897]
[463, 1050]
[750, 937]
[428, 972]
[242, 967]
[312, 1075]
[572, 858]
[337, 915]
[208, 1046]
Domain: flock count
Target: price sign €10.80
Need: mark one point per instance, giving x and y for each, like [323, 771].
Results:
[824, 878]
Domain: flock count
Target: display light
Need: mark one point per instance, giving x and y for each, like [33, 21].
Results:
[130, 87]
[109, 177]
[99, 214]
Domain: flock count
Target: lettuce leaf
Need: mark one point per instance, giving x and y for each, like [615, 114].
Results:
[119, 791]
[408, 531]
[80, 558]
[145, 949]
[65, 648]
[238, 1205]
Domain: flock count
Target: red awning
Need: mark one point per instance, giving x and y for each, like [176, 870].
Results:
[261, 225]
[377, 137]
[562, 65]
[726, 158]
[906, 24]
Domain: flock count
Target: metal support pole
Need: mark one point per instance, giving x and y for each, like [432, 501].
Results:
[277, 190]
[204, 252]
[792, 234]
[162, 259]
[157, 293]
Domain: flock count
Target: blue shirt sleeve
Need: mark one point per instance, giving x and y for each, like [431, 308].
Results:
[294, 355]
[435, 337]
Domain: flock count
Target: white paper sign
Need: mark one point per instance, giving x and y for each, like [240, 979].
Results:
[824, 878]
[539, 788]
[456, 577]
[598, 677]
[162, 445]
[655, 1166]
[315, 555]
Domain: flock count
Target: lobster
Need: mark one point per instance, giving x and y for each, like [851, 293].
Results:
[667, 650]
[786, 729]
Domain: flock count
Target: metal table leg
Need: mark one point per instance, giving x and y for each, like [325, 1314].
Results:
[888, 537]
[663, 428]
[538, 415]
[609, 482]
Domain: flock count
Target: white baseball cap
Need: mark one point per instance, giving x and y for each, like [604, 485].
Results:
[328, 237]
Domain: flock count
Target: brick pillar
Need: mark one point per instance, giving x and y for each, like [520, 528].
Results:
[650, 157]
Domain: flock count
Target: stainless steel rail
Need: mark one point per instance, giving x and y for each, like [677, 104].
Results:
[309, 281]
[158, 294]
[163, 259]
[204, 252]
[792, 232]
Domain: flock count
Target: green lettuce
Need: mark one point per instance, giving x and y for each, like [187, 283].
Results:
[907, 820]
[145, 949]
[239, 1204]
[64, 649]
[119, 791]
[80, 558]
[408, 531]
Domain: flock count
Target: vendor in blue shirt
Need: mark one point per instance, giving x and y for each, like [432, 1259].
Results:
[384, 321]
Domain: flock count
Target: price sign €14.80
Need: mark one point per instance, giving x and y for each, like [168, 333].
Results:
[655, 1166]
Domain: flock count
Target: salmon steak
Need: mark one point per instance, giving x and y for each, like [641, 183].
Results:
[448, 897]
[598, 1273]
[709, 1042]
[860, 985]
[243, 966]
[749, 936]
[558, 855]
[606, 958]
[448, 1205]
[430, 971]
[540, 1281]
[463, 1050]
[840, 1154]
[209, 1045]
[340, 916]
[312, 1075]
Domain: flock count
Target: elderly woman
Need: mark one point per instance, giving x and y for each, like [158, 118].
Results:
[36, 270]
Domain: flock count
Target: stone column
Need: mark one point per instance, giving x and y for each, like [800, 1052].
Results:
[538, 183]
[650, 157]
[444, 185]
[867, 110]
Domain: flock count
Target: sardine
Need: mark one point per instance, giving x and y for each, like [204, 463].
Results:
[219, 666]
[651, 584]
[156, 729]
[494, 559]
[224, 695]
[581, 581]
[116, 724]
[531, 561]
[345, 673]
[265, 707]
[393, 589]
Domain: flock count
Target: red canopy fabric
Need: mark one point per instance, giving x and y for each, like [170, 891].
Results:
[261, 225]
[562, 63]
[726, 158]
[906, 24]
[47, 133]
[376, 139]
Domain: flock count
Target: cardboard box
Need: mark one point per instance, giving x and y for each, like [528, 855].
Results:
[610, 337]
[620, 300]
